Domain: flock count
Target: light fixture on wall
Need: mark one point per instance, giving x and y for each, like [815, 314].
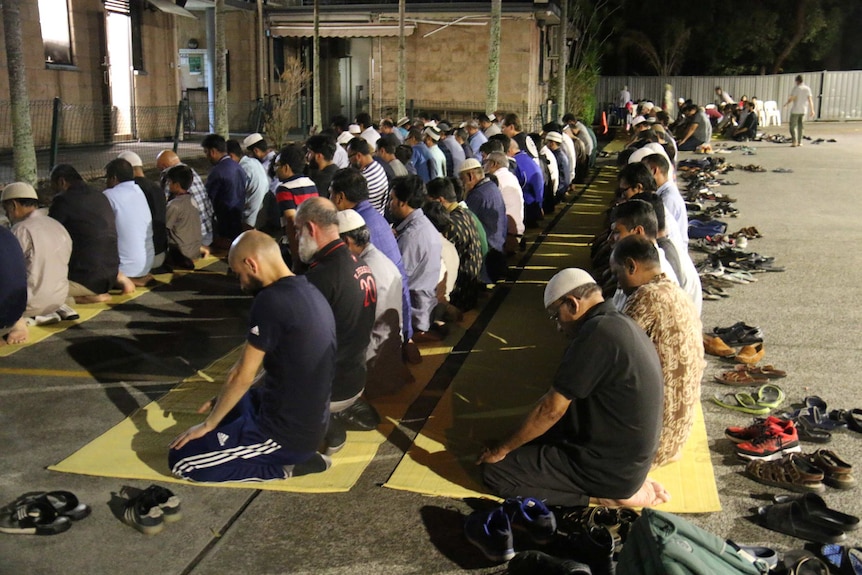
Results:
[193, 43]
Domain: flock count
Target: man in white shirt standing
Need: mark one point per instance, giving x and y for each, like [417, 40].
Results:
[800, 102]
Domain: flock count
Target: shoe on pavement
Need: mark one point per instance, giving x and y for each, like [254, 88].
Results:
[772, 444]
[66, 313]
[491, 532]
[532, 516]
[361, 416]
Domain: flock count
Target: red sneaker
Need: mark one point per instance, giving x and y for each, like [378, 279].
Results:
[741, 434]
[771, 444]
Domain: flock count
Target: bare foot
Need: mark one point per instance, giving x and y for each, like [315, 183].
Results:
[142, 281]
[100, 298]
[125, 284]
[205, 251]
[650, 494]
[19, 332]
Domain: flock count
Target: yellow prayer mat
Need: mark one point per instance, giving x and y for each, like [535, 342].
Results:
[431, 469]
[137, 447]
[89, 311]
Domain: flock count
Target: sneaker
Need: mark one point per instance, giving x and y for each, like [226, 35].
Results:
[66, 313]
[47, 319]
[743, 434]
[335, 438]
[770, 445]
[532, 562]
[361, 416]
[167, 502]
[491, 532]
[144, 514]
[533, 517]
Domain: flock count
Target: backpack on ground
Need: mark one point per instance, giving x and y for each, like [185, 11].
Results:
[662, 543]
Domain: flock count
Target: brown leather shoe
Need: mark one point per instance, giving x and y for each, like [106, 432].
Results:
[751, 354]
[715, 346]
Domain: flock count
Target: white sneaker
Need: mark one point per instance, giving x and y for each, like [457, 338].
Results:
[44, 319]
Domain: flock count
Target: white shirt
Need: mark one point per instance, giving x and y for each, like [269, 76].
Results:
[800, 93]
[513, 198]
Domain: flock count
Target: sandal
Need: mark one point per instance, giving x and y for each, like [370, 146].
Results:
[852, 418]
[843, 560]
[810, 433]
[818, 513]
[741, 336]
[769, 395]
[767, 371]
[791, 472]
[790, 518]
[743, 402]
[64, 503]
[736, 377]
[837, 473]
[34, 518]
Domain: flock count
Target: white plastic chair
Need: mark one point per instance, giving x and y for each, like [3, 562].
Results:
[761, 115]
[772, 113]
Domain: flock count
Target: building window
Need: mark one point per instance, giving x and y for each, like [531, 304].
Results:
[56, 34]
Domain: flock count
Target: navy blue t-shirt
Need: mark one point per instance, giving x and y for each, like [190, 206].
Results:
[13, 280]
[293, 324]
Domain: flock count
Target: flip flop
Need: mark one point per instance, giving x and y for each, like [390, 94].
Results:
[769, 395]
[818, 513]
[34, 518]
[815, 401]
[790, 518]
[743, 402]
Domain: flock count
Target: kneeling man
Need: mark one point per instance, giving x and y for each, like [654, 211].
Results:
[271, 431]
[594, 434]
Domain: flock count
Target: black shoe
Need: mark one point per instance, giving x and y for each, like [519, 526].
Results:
[335, 438]
[360, 416]
[167, 502]
[317, 463]
[532, 562]
[144, 514]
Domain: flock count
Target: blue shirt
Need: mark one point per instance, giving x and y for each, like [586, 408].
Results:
[134, 228]
[437, 167]
[255, 190]
[422, 162]
[384, 240]
[476, 141]
[530, 178]
[226, 189]
[456, 154]
[13, 280]
[420, 245]
[486, 201]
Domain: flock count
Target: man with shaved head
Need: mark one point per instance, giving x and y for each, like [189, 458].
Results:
[277, 425]
[167, 159]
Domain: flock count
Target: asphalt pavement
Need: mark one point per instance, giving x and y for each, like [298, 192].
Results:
[60, 394]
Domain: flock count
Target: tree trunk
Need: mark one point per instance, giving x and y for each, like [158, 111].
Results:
[798, 34]
[494, 57]
[221, 114]
[562, 58]
[23, 150]
[402, 64]
[316, 119]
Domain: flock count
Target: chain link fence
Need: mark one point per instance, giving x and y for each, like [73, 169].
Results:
[457, 112]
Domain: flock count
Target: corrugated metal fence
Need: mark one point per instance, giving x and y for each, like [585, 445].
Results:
[837, 95]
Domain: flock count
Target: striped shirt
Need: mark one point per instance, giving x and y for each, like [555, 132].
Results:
[378, 186]
[293, 191]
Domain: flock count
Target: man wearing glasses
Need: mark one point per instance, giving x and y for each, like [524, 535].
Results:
[594, 434]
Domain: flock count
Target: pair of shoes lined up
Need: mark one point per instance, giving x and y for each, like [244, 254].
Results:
[42, 513]
[492, 531]
[149, 510]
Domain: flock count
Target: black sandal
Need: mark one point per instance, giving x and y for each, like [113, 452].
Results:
[34, 518]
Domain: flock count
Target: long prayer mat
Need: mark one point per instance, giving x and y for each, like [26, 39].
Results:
[136, 448]
[89, 311]
[511, 366]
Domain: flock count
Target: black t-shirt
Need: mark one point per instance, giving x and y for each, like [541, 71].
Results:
[13, 279]
[158, 209]
[322, 179]
[292, 323]
[349, 287]
[87, 216]
[612, 374]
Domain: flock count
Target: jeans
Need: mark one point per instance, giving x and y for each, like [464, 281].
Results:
[796, 128]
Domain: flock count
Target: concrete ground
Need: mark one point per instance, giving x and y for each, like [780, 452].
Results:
[60, 394]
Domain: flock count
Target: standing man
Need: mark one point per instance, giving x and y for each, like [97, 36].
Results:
[270, 431]
[430, 137]
[476, 137]
[226, 188]
[800, 103]
[576, 443]
[349, 287]
[449, 144]
[168, 159]
[156, 201]
[257, 184]
[87, 216]
[488, 124]
[484, 199]
[386, 146]
[359, 155]
[366, 127]
[421, 249]
[421, 160]
[47, 248]
[319, 158]
[293, 189]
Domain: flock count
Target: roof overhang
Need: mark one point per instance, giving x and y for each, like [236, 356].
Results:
[336, 29]
[168, 7]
